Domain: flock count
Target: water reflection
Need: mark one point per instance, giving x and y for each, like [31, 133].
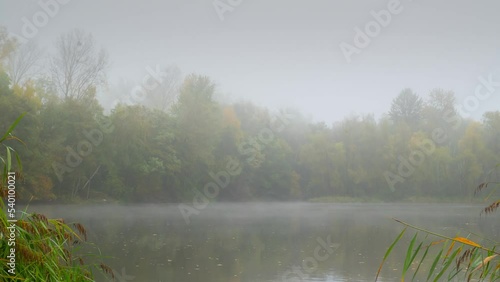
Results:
[260, 242]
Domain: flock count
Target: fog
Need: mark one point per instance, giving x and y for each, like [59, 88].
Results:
[236, 140]
[287, 53]
[261, 241]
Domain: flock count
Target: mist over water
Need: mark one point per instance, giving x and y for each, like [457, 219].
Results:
[263, 241]
[238, 140]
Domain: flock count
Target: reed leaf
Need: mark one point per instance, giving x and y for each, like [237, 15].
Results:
[9, 159]
[433, 266]
[485, 261]
[420, 262]
[447, 264]
[11, 128]
[449, 250]
[45, 249]
[410, 255]
[466, 242]
[389, 250]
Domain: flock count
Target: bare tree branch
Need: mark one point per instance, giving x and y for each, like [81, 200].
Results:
[77, 68]
[166, 91]
[7, 44]
[22, 64]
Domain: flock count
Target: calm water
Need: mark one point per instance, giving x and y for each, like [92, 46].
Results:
[261, 242]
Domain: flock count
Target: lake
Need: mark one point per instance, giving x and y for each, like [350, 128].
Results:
[262, 241]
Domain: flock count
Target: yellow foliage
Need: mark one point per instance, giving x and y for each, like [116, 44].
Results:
[466, 241]
[230, 118]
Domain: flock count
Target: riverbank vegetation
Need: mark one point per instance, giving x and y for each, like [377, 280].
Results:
[439, 257]
[32, 246]
[165, 141]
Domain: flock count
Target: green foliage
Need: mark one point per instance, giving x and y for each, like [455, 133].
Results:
[389, 250]
[45, 249]
[141, 154]
[407, 107]
[458, 257]
[165, 150]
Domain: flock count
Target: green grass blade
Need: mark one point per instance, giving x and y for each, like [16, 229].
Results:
[19, 163]
[389, 250]
[417, 250]
[447, 264]
[11, 128]
[409, 257]
[433, 267]
[415, 253]
[5, 171]
[450, 277]
[9, 160]
[420, 263]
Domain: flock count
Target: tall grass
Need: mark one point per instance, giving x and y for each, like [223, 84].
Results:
[45, 249]
[453, 258]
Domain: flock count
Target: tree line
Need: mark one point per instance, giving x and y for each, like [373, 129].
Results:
[169, 138]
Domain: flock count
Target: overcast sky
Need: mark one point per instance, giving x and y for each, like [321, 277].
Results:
[286, 53]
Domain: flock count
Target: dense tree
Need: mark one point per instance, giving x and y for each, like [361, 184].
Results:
[439, 111]
[168, 146]
[491, 121]
[472, 151]
[198, 127]
[323, 166]
[406, 107]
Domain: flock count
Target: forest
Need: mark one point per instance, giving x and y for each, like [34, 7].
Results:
[171, 138]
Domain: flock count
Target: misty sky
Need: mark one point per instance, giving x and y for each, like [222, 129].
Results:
[281, 53]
